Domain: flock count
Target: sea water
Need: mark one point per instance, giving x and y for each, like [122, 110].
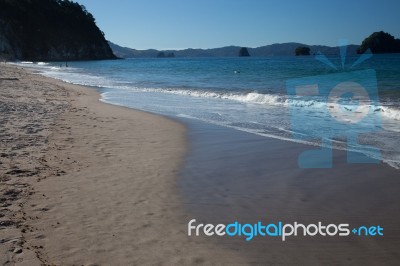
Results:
[247, 94]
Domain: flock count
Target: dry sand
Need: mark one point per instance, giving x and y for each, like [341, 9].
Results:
[87, 183]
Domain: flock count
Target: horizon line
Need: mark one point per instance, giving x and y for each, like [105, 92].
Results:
[231, 45]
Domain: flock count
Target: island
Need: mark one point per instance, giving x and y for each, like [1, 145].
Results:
[302, 50]
[243, 52]
[380, 43]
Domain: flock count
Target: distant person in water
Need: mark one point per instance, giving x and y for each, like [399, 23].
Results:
[66, 64]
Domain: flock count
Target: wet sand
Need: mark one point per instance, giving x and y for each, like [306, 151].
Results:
[236, 176]
[87, 183]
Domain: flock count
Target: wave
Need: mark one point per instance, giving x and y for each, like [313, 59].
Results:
[390, 112]
[252, 97]
[32, 63]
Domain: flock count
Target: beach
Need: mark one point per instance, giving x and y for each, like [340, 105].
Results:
[87, 183]
[199, 133]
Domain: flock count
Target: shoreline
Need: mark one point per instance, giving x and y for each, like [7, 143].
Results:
[104, 190]
[112, 184]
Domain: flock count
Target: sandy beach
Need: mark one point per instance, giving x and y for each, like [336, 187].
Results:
[87, 183]
[199, 133]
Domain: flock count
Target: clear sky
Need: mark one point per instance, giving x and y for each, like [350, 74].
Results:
[176, 24]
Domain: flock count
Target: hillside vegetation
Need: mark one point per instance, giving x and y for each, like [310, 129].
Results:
[46, 30]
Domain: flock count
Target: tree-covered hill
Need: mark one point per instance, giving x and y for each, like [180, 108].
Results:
[379, 43]
[46, 30]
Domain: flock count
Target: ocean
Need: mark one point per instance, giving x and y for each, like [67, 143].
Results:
[252, 95]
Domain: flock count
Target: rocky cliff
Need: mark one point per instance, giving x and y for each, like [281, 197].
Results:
[50, 30]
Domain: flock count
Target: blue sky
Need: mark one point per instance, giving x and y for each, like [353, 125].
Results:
[176, 24]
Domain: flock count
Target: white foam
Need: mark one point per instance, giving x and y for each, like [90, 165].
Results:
[251, 98]
[271, 99]
[390, 112]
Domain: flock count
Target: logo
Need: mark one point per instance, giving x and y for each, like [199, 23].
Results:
[340, 105]
[281, 230]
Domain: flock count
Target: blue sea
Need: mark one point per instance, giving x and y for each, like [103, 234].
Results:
[248, 94]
